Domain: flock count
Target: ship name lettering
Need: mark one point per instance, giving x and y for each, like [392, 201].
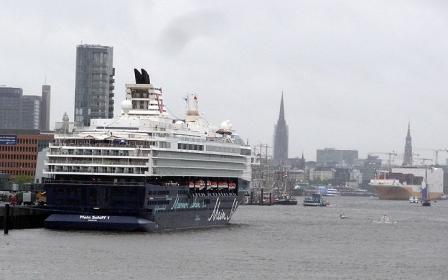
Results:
[93, 218]
[186, 205]
[219, 214]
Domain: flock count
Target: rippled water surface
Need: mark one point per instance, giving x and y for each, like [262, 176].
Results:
[277, 242]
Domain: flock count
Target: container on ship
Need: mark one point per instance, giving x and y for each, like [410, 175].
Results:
[145, 170]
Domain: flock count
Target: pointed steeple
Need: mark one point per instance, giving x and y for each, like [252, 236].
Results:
[407, 159]
[409, 130]
[281, 115]
[280, 153]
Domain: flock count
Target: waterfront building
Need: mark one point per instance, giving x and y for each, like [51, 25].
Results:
[94, 83]
[45, 108]
[297, 163]
[10, 107]
[336, 158]
[280, 154]
[19, 150]
[31, 112]
[322, 174]
[407, 158]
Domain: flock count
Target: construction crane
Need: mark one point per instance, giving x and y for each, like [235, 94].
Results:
[436, 153]
[389, 156]
[424, 160]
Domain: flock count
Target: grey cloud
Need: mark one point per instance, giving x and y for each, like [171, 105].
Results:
[182, 30]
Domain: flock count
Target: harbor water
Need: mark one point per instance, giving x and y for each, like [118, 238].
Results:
[263, 242]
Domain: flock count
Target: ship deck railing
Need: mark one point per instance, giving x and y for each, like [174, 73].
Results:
[105, 145]
[96, 183]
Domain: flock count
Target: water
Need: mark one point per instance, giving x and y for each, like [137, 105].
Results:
[277, 242]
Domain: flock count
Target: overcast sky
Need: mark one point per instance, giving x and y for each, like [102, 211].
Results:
[353, 72]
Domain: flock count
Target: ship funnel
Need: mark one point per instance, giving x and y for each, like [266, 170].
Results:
[142, 78]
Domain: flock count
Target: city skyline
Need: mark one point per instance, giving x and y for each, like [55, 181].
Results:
[345, 89]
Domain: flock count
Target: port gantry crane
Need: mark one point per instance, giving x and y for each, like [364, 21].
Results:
[436, 153]
[389, 156]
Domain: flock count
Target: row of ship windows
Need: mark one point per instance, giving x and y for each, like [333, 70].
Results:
[113, 161]
[100, 152]
[105, 143]
[193, 147]
[161, 144]
[84, 169]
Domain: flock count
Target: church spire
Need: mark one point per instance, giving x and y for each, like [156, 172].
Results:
[409, 130]
[281, 115]
[407, 159]
[280, 154]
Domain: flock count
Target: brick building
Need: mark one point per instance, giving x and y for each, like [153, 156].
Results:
[19, 149]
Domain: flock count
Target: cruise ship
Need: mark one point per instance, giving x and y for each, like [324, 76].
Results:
[401, 183]
[146, 170]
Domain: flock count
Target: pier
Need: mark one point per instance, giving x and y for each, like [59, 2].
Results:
[21, 217]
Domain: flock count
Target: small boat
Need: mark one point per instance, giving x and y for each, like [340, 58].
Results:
[385, 219]
[315, 199]
[332, 192]
[413, 199]
[342, 216]
[285, 201]
[426, 203]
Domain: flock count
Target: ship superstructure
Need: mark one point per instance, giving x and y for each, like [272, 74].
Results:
[147, 167]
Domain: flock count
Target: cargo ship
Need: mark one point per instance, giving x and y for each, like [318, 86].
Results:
[146, 170]
[402, 183]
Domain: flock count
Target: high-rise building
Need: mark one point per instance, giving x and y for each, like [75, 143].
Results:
[407, 158]
[280, 154]
[336, 158]
[45, 108]
[31, 110]
[18, 111]
[94, 83]
[10, 107]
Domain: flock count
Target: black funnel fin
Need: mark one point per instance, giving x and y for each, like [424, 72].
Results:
[138, 77]
[145, 77]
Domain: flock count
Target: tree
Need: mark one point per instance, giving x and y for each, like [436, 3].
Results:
[23, 179]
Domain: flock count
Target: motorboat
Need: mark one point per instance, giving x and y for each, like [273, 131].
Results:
[315, 199]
